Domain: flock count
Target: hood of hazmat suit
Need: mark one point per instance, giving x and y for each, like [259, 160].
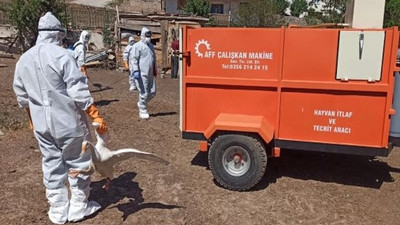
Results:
[80, 48]
[126, 53]
[145, 35]
[131, 40]
[85, 37]
[50, 30]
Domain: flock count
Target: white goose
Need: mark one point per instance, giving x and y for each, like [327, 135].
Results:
[103, 159]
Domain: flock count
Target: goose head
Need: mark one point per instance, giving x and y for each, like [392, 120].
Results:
[102, 139]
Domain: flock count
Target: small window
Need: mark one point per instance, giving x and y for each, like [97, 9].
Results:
[217, 8]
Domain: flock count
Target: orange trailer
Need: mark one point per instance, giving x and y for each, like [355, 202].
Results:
[247, 92]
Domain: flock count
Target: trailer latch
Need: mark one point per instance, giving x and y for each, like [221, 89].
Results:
[185, 54]
[360, 46]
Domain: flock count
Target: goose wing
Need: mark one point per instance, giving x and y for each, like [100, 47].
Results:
[126, 153]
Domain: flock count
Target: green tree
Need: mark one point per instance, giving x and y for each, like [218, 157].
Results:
[282, 5]
[258, 13]
[197, 7]
[25, 14]
[313, 17]
[298, 7]
[332, 12]
[392, 13]
[108, 39]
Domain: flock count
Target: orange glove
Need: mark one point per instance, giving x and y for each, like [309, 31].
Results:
[95, 115]
[84, 70]
[126, 65]
[30, 118]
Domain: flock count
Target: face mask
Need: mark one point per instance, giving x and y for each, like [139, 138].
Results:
[147, 40]
[87, 37]
[61, 34]
[147, 34]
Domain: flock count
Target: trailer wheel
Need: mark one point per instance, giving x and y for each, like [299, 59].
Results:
[237, 162]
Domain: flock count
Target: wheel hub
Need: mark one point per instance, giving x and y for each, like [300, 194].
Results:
[236, 161]
[237, 158]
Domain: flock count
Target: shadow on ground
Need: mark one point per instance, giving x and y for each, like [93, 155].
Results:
[105, 102]
[200, 159]
[121, 188]
[99, 88]
[162, 114]
[360, 171]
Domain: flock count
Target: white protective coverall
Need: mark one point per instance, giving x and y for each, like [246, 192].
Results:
[143, 61]
[80, 50]
[48, 81]
[125, 57]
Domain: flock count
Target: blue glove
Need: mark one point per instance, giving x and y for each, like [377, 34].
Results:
[136, 74]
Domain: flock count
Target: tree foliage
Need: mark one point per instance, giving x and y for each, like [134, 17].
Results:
[197, 7]
[392, 13]
[25, 15]
[108, 39]
[282, 5]
[258, 13]
[298, 7]
[332, 12]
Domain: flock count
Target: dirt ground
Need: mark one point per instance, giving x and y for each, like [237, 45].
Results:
[298, 188]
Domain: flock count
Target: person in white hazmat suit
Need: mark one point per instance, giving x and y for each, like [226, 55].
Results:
[80, 51]
[125, 57]
[49, 85]
[143, 64]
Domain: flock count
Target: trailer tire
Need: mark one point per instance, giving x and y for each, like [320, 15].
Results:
[237, 162]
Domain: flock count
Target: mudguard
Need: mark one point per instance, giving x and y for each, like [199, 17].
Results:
[241, 123]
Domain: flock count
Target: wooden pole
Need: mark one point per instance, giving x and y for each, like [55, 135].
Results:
[164, 43]
[8, 56]
[117, 37]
